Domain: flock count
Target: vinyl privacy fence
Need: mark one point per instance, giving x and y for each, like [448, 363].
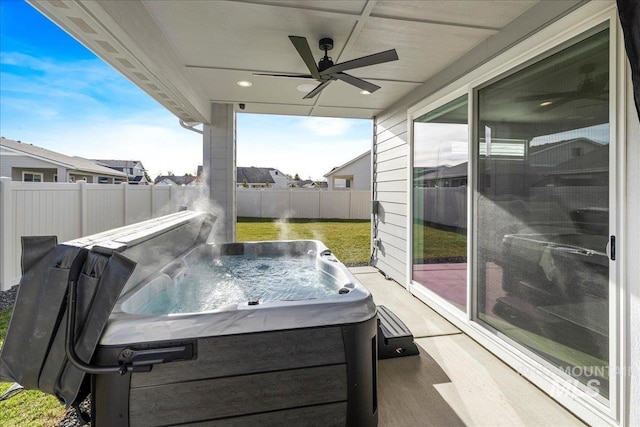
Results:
[72, 210]
[303, 203]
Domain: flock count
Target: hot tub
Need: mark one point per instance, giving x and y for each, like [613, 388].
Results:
[175, 330]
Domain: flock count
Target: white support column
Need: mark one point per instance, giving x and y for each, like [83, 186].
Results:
[219, 158]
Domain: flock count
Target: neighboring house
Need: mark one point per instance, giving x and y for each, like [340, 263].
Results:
[175, 180]
[353, 175]
[254, 177]
[449, 176]
[133, 168]
[27, 162]
[308, 184]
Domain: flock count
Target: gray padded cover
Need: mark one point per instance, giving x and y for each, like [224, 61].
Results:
[34, 349]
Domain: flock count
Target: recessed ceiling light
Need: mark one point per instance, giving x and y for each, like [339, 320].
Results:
[365, 92]
[306, 87]
[244, 83]
[546, 103]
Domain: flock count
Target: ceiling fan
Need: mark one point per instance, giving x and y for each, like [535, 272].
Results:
[589, 88]
[326, 71]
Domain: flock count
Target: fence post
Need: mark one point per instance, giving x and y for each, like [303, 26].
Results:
[125, 196]
[6, 236]
[350, 201]
[84, 208]
[261, 203]
[290, 212]
[172, 199]
[153, 201]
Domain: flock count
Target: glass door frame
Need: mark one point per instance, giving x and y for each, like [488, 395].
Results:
[418, 290]
[542, 44]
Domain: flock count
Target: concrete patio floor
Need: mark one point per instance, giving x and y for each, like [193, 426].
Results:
[454, 381]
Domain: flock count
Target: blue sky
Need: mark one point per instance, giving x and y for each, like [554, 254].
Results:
[58, 95]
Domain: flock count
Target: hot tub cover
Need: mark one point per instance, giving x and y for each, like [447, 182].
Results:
[101, 266]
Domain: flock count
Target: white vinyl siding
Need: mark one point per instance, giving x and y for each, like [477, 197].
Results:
[390, 190]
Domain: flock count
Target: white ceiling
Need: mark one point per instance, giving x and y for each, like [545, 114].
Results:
[187, 54]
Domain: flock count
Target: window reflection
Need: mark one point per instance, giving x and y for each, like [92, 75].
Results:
[543, 209]
[440, 164]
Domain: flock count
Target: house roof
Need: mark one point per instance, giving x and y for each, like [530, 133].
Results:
[593, 161]
[537, 149]
[339, 168]
[178, 180]
[117, 163]
[254, 175]
[456, 171]
[79, 164]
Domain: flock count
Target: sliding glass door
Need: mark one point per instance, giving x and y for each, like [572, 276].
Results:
[542, 209]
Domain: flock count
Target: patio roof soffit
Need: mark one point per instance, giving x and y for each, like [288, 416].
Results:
[123, 34]
[190, 54]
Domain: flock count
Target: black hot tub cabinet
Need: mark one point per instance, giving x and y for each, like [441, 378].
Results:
[273, 362]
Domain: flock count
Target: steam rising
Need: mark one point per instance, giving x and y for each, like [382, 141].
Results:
[285, 231]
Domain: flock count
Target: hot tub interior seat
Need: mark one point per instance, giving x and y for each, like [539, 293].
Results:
[211, 277]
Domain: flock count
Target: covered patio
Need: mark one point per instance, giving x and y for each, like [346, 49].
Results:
[208, 61]
[454, 381]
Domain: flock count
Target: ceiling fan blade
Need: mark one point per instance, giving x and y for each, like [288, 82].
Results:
[301, 45]
[545, 96]
[376, 58]
[317, 90]
[362, 84]
[299, 76]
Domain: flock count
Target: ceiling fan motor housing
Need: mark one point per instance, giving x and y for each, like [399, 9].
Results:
[324, 63]
[326, 43]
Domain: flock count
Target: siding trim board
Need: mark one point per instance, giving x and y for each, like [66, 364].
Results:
[543, 32]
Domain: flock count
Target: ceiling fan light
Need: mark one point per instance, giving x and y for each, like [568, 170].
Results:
[305, 87]
[244, 83]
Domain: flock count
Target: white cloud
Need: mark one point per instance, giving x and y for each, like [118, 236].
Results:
[84, 108]
[161, 145]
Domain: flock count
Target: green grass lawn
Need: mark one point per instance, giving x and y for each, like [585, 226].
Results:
[432, 243]
[349, 240]
[28, 408]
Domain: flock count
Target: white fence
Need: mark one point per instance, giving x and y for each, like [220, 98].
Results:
[72, 210]
[303, 203]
